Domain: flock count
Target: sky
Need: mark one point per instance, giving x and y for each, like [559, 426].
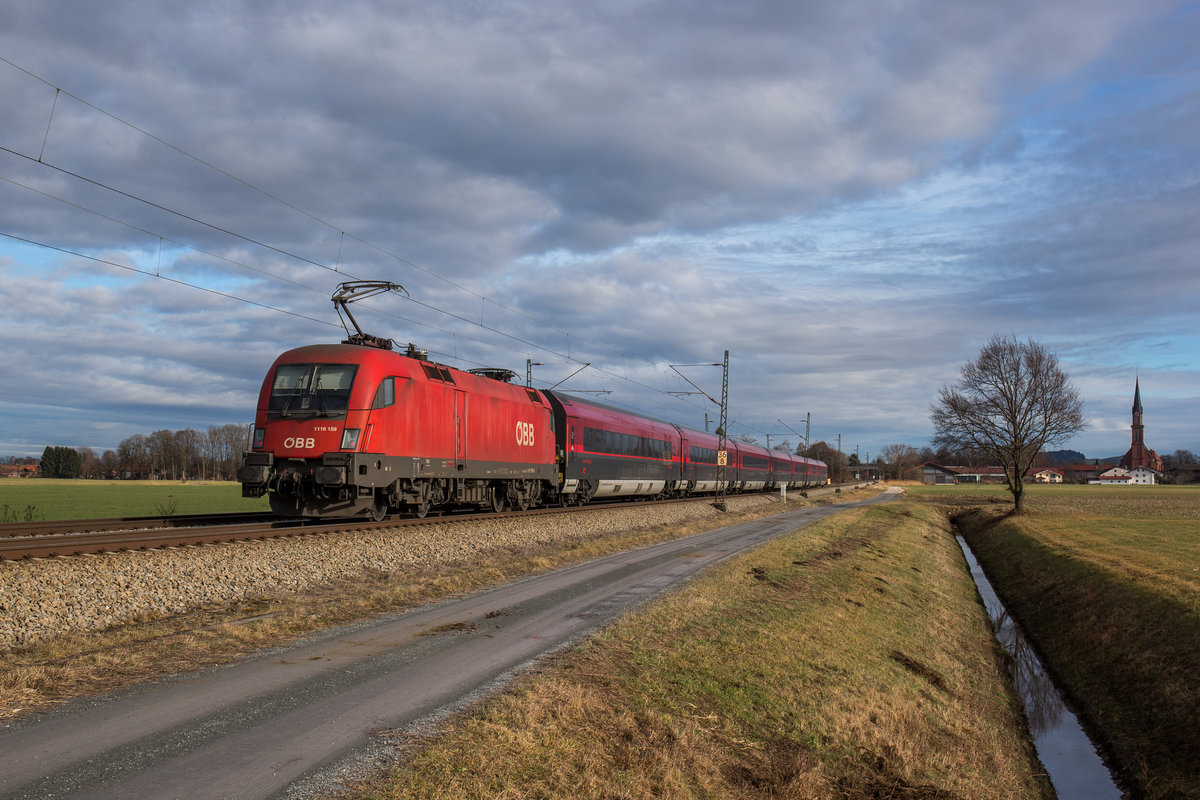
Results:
[851, 198]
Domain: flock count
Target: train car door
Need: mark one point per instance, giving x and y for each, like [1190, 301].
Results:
[460, 425]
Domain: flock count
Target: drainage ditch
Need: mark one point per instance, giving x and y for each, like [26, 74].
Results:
[1069, 756]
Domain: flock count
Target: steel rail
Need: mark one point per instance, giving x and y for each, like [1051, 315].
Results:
[56, 526]
[81, 537]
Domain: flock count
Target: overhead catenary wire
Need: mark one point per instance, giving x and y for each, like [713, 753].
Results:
[279, 250]
[40, 160]
[181, 282]
[255, 188]
[150, 274]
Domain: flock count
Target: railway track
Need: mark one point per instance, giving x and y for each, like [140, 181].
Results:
[41, 539]
[80, 537]
[62, 526]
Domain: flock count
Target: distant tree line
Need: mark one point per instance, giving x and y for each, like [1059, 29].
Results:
[1178, 459]
[215, 455]
[893, 462]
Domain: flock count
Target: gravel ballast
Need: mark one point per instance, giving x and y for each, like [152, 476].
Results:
[44, 598]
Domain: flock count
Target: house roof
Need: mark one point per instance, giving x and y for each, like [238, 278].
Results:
[978, 470]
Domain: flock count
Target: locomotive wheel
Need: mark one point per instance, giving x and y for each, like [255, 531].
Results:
[379, 511]
[421, 509]
[498, 503]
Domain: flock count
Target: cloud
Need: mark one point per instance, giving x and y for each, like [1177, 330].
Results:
[849, 197]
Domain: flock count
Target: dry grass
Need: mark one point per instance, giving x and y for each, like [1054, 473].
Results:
[851, 659]
[89, 663]
[1110, 594]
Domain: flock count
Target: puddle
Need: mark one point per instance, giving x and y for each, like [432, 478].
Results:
[1070, 758]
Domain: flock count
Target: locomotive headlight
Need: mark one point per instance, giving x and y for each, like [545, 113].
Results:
[350, 438]
[260, 435]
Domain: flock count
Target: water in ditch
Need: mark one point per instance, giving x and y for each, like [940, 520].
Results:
[1070, 758]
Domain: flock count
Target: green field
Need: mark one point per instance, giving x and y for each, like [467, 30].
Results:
[1106, 581]
[23, 499]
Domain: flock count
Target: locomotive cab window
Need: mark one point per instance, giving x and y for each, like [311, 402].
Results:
[386, 394]
[321, 390]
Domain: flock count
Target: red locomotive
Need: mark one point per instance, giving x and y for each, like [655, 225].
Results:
[355, 428]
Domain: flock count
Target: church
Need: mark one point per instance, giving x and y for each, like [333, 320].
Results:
[1140, 456]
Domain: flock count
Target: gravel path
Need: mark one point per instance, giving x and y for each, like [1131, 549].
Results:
[42, 598]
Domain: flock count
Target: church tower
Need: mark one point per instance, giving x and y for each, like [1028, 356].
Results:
[1139, 455]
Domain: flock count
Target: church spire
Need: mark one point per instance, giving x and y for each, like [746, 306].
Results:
[1139, 455]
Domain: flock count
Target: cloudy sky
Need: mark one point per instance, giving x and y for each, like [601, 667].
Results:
[850, 197]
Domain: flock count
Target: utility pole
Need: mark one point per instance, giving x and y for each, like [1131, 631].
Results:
[529, 365]
[722, 453]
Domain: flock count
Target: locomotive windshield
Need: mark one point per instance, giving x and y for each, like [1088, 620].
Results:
[321, 390]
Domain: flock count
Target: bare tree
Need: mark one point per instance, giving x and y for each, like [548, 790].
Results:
[1010, 403]
[900, 458]
[835, 461]
[134, 455]
[89, 462]
[109, 464]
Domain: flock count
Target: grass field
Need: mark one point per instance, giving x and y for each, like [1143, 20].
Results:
[1106, 581]
[851, 659]
[23, 499]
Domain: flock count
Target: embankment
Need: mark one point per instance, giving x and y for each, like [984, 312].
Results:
[1113, 607]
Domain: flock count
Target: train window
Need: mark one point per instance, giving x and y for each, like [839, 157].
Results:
[613, 443]
[386, 394]
[311, 389]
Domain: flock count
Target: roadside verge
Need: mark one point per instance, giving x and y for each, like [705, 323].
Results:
[849, 659]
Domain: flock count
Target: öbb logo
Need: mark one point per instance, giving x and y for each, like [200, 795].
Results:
[300, 443]
[525, 434]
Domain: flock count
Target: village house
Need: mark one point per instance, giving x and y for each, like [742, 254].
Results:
[18, 470]
[930, 473]
[1048, 476]
[1119, 476]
